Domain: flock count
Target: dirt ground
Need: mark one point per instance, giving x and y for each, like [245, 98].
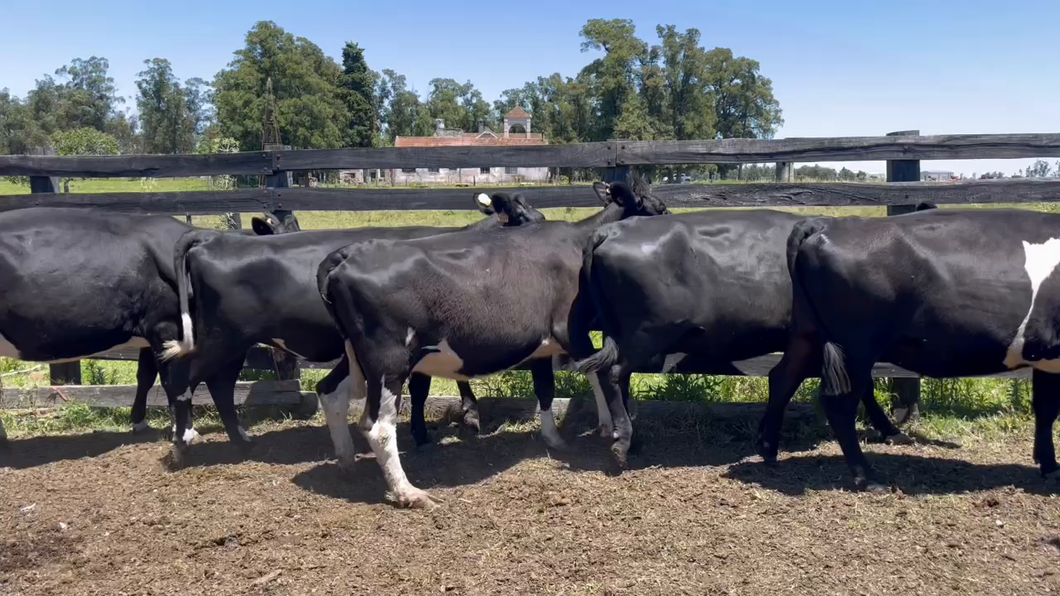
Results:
[100, 514]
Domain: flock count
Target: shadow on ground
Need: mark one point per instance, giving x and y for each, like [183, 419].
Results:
[911, 474]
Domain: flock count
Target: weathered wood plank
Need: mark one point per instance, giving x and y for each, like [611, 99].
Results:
[261, 393]
[992, 146]
[839, 194]
[260, 358]
[137, 166]
[580, 155]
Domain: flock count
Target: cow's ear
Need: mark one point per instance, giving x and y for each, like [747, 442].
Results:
[625, 197]
[603, 190]
[504, 207]
[261, 227]
[484, 203]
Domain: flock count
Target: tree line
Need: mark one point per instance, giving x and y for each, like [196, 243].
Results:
[673, 89]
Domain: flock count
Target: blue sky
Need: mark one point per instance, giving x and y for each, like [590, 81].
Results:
[838, 68]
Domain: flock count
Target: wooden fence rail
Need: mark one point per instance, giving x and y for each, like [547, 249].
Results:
[902, 151]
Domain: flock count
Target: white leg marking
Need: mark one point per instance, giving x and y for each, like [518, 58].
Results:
[604, 424]
[336, 406]
[3, 433]
[186, 396]
[1041, 260]
[141, 425]
[549, 431]
[382, 436]
[8, 349]
[243, 433]
[190, 435]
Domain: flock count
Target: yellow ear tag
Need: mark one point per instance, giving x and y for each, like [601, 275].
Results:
[484, 200]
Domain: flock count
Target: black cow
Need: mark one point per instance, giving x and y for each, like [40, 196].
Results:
[456, 306]
[692, 294]
[943, 293]
[78, 282]
[236, 292]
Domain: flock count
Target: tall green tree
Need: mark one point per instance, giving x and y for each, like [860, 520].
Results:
[743, 99]
[359, 85]
[307, 86]
[688, 109]
[173, 116]
[19, 132]
[90, 95]
[612, 76]
[403, 114]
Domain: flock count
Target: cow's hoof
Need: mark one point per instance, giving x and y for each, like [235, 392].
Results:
[768, 452]
[899, 439]
[140, 427]
[174, 461]
[605, 431]
[471, 421]
[415, 498]
[424, 447]
[863, 484]
[620, 452]
[1054, 475]
[873, 436]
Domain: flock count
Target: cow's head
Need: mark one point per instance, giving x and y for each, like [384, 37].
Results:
[637, 200]
[279, 222]
[510, 210]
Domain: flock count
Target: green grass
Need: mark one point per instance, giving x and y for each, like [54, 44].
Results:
[952, 407]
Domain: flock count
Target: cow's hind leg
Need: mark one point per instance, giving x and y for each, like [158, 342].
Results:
[801, 359]
[1046, 403]
[545, 389]
[334, 392]
[880, 421]
[146, 372]
[419, 389]
[469, 406]
[379, 425]
[222, 385]
[843, 380]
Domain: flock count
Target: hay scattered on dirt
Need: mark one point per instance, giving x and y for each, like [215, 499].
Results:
[107, 518]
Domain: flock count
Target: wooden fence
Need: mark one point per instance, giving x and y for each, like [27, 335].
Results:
[902, 151]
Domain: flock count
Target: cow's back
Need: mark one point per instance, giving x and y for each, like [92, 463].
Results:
[77, 280]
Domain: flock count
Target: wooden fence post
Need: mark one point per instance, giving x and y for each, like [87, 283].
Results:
[616, 172]
[784, 171]
[66, 373]
[285, 364]
[905, 390]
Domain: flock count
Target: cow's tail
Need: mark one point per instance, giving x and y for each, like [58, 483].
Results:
[608, 354]
[834, 377]
[186, 344]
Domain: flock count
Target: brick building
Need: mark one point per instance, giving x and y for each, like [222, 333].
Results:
[516, 131]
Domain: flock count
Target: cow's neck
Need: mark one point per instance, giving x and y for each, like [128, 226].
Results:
[492, 221]
[613, 212]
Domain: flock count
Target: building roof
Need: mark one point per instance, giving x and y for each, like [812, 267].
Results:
[470, 139]
[517, 113]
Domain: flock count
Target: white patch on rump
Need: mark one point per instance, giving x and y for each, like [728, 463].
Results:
[1041, 261]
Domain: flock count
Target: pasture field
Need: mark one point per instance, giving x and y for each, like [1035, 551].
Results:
[88, 508]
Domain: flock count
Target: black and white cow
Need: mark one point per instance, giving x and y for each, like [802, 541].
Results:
[78, 282]
[456, 306]
[947, 293]
[692, 294]
[236, 292]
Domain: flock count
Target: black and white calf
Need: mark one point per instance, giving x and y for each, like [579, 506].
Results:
[456, 306]
[236, 292]
[692, 294]
[943, 293]
[78, 282]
